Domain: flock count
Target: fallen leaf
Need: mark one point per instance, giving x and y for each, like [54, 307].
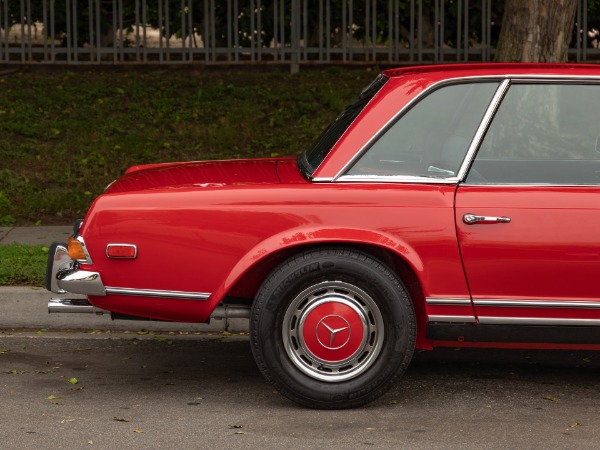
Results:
[236, 426]
[73, 380]
[138, 430]
[90, 442]
[3, 352]
[120, 419]
[370, 429]
[52, 397]
[573, 426]
[394, 402]
[551, 399]
[239, 432]
[39, 332]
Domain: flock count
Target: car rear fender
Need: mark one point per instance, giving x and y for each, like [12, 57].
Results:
[247, 275]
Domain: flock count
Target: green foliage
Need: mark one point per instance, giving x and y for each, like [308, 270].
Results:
[23, 265]
[66, 135]
[6, 220]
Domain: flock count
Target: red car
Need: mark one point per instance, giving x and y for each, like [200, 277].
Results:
[447, 206]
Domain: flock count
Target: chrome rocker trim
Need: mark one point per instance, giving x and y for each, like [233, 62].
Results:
[157, 293]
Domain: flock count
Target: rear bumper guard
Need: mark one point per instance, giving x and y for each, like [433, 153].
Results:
[63, 274]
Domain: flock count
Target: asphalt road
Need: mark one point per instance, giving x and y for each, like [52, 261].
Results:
[140, 391]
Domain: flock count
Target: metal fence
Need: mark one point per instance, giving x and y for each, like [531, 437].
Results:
[262, 31]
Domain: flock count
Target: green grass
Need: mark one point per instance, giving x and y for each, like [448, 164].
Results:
[23, 265]
[67, 134]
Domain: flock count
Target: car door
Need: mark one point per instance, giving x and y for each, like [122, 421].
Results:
[528, 212]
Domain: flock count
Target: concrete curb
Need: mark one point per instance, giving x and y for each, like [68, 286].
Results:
[26, 307]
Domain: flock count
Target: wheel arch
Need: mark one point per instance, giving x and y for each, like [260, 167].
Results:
[249, 281]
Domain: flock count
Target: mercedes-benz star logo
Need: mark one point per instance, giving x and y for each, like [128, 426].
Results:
[336, 329]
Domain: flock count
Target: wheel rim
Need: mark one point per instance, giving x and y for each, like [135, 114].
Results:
[333, 331]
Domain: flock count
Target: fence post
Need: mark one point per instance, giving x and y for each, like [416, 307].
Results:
[295, 37]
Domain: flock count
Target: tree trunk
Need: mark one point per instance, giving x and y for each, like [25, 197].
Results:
[536, 30]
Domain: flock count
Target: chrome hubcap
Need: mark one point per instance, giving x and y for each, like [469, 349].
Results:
[333, 331]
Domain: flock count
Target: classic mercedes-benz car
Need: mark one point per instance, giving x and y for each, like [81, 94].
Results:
[452, 205]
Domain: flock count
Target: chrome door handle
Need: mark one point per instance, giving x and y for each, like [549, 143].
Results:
[472, 219]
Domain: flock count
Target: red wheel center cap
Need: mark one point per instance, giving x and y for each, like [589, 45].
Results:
[333, 331]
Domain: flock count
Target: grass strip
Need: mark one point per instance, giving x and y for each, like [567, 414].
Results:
[23, 265]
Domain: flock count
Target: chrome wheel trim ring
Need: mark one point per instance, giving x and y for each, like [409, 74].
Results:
[350, 298]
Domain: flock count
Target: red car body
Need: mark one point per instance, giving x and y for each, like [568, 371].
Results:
[484, 260]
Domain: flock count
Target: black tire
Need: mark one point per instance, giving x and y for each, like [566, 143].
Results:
[332, 328]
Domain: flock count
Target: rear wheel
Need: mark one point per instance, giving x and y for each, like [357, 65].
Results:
[332, 328]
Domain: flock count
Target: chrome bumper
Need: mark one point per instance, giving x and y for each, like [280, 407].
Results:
[63, 274]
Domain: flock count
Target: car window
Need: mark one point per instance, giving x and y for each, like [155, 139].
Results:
[433, 137]
[542, 134]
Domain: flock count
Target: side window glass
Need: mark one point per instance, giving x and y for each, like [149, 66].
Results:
[432, 138]
[542, 134]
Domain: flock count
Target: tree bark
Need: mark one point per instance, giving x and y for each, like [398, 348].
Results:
[536, 30]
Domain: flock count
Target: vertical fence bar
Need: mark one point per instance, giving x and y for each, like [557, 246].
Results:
[168, 30]
[328, 29]
[193, 44]
[99, 33]
[489, 30]
[52, 32]
[305, 29]
[374, 28]
[584, 22]
[236, 31]
[275, 39]
[252, 30]
[436, 31]
[579, 33]
[420, 32]
[22, 23]
[344, 29]
[213, 29]
[137, 30]
[367, 44]
[91, 30]
[321, 25]
[45, 34]
[397, 29]
[229, 25]
[121, 31]
[392, 43]
[114, 24]
[458, 28]
[259, 35]
[144, 31]
[69, 32]
[75, 32]
[160, 32]
[295, 36]
[205, 31]
[29, 42]
[350, 29]
[183, 29]
[466, 28]
[3, 42]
